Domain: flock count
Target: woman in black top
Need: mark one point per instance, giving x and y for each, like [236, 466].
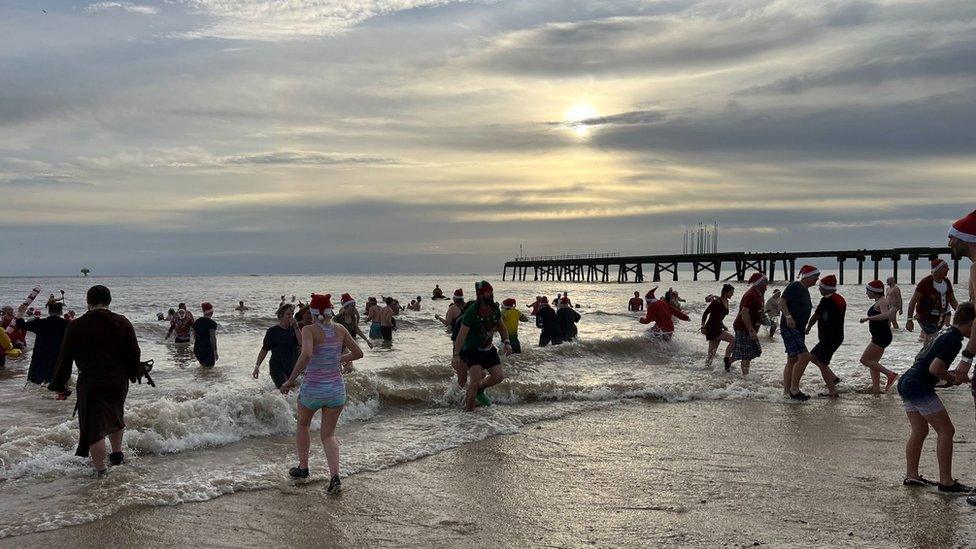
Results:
[879, 316]
[283, 341]
[713, 328]
[48, 335]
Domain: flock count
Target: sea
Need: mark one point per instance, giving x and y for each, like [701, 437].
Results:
[202, 433]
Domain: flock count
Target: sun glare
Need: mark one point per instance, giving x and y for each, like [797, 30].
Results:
[575, 117]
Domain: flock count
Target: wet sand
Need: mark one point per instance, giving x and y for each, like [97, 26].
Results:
[709, 474]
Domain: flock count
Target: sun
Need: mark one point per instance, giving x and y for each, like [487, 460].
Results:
[576, 115]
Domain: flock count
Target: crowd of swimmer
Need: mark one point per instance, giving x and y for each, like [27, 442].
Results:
[316, 344]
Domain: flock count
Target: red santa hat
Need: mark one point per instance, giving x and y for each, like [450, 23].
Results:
[509, 302]
[808, 271]
[965, 228]
[875, 286]
[938, 264]
[206, 307]
[321, 305]
[829, 283]
[459, 294]
[347, 300]
[649, 296]
[757, 279]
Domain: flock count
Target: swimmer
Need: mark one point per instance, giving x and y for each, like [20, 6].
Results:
[474, 347]
[894, 301]
[453, 310]
[438, 293]
[511, 316]
[348, 318]
[747, 347]
[181, 324]
[635, 303]
[714, 329]
[205, 337]
[796, 306]
[923, 406]
[660, 313]
[547, 321]
[567, 320]
[928, 304]
[879, 320]
[772, 312]
[282, 341]
[241, 307]
[829, 319]
[325, 346]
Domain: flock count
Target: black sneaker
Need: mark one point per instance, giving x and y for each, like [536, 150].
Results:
[971, 500]
[335, 485]
[116, 458]
[801, 396]
[956, 488]
[728, 364]
[920, 481]
[298, 472]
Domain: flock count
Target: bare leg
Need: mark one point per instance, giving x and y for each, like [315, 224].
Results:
[730, 339]
[870, 359]
[798, 368]
[913, 449]
[116, 440]
[475, 373]
[495, 375]
[330, 416]
[945, 430]
[712, 347]
[828, 375]
[301, 435]
[745, 367]
[97, 451]
[788, 374]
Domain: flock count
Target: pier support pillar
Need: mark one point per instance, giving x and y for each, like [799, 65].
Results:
[912, 259]
[876, 262]
[657, 272]
[860, 271]
[894, 266]
[840, 269]
[772, 270]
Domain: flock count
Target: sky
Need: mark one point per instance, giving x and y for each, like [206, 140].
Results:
[319, 136]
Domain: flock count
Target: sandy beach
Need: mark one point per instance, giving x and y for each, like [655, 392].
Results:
[640, 473]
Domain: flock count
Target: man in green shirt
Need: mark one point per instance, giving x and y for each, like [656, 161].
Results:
[474, 350]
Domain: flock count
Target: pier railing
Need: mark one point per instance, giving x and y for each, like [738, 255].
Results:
[597, 267]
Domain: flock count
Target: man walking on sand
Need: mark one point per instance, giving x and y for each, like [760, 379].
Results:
[928, 303]
[796, 306]
[747, 323]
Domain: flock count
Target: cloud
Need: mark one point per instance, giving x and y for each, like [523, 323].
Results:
[43, 182]
[306, 159]
[127, 7]
[287, 20]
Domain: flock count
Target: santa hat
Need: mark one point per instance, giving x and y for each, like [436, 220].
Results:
[875, 286]
[808, 271]
[757, 279]
[829, 283]
[206, 307]
[459, 294]
[482, 288]
[321, 305]
[965, 228]
[347, 300]
[649, 296]
[938, 264]
[509, 302]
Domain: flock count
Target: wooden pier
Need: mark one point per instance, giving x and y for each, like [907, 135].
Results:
[601, 267]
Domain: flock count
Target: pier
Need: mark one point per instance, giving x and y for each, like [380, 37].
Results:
[621, 269]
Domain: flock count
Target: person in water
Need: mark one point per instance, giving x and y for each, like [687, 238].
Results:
[928, 304]
[547, 321]
[348, 318]
[962, 241]
[879, 319]
[511, 316]
[567, 320]
[325, 346]
[714, 329]
[48, 335]
[746, 325]
[438, 293]
[453, 310]
[103, 344]
[241, 307]
[282, 341]
[384, 317]
[796, 306]
[660, 313]
[772, 312]
[374, 326]
[923, 406]
[635, 303]
[18, 338]
[475, 348]
[205, 337]
[829, 319]
[894, 301]
[181, 324]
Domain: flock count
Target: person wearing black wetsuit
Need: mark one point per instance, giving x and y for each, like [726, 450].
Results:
[283, 342]
[546, 319]
[567, 320]
[879, 319]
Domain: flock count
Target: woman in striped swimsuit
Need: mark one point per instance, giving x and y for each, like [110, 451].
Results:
[323, 343]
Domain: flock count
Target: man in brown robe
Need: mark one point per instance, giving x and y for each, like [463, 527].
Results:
[103, 345]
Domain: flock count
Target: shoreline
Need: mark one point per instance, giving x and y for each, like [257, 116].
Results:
[700, 473]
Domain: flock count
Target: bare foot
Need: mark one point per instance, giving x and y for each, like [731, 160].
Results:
[891, 380]
[869, 391]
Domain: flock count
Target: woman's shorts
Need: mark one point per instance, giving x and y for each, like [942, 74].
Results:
[926, 405]
[334, 401]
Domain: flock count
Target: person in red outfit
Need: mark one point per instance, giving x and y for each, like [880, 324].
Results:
[660, 313]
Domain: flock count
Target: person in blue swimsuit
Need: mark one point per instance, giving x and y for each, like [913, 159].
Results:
[325, 347]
